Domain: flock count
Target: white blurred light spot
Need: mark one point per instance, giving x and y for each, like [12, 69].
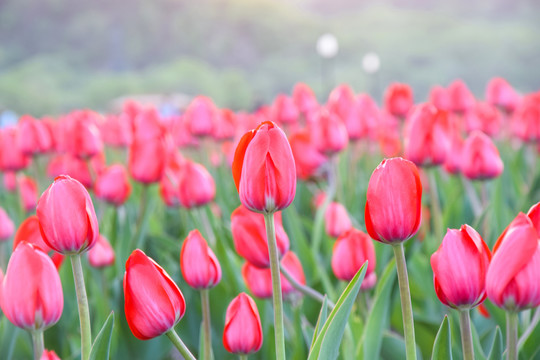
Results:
[327, 46]
[371, 63]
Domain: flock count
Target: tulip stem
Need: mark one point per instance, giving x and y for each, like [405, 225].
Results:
[306, 290]
[319, 216]
[242, 357]
[207, 226]
[139, 231]
[406, 305]
[276, 286]
[37, 341]
[82, 302]
[205, 302]
[512, 334]
[179, 344]
[435, 205]
[530, 328]
[466, 335]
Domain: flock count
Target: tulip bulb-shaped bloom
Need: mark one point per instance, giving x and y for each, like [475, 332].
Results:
[480, 157]
[6, 226]
[307, 158]
[49, 355]
[153, 303]
[28, 192]
[461, 97]
[328, 132]
[199, 265]
[112, 185]
[102, 254]
[196, 185]
[351, 250]
[398, 99]
[459, 268]
[243, 331]
[263, 169]
[500, 93]
[31, 294]
[336, 220]
[394, 199]
[66, 216]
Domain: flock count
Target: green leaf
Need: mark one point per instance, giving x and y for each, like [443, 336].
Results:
[326, 345]
[102, 343]
[497, 347]
[323, 315]
[442, 347]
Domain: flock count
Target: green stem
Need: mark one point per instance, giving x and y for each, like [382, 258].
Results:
[276, 286]
[512, 335]
[435, 205]
[473, 197]
[242, 357]
[319, 215]
[466, 335]
[82, 302]
[37, 341]
[207, 226]
[406, 305]
[306, 290]
[530, 328]
[179, 344]
[205, 302]
[139, 231]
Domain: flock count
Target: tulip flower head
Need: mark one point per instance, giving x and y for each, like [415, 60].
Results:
[102, 254]
[480, 157]
[49, 355]
[199, 265]
[264, 170]
[243, 331]
[6, 226]
[336, 219]
[112, 185]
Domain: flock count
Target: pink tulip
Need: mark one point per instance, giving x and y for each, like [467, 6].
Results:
[307, 158]
[480, 157]
[112, 185]
[199, 265]
[28, 192]
[243, 332]
[336, 219]
[398, 99]
[49, 355]
[196, 185]
[6, 226]
[102, 254]
[328, 132]
[500, 93]
[461, 98]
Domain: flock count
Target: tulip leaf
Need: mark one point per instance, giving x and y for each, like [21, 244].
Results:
[529, 343]
[326, 345]
[323, 315]
[497, 347]
[477, 346]
[102, 343]
[442, 347]
[378, 317]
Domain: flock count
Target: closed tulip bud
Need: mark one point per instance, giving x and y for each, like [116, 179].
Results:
[6, 226]
[249, 236]
[398, 99]
[480, 157]
[461, 98]
[394, 201]
[117, 131]
[525, 119]
[440, 98]
[153, 303]
[199, 265]
[10, 181]
[196, 185]
[500, 93]
[49, 355]
[243, 331]
[284, 110]
[28, 192]
[306, 156]
[102, 254]
[459, 268]
[200, 116]
[31, 294]
[66, 216]
[328, 132]
[112, 185]
[80, 134]
[225, 125]
[512, 278]
[361, 118]
[341, 101]
[263, 169]
[33, 136]
[336, 219]
[304, 98]
[11, 156]
[453, 160]
[351, 250]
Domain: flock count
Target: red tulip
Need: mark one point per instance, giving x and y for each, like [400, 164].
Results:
[196, 185]
[243, 331]
[480, 157]
[526, 119]
[440, 98]
[6, 226]
[153, 303]
[66, 216]
[102, 254]
[33, 136]
[341, 101]
[28, 192]
[394, 199]
[351, 250]
[224, 128]
[200, 116]
[304, 98]
[459, 268]
[306, 156]
[328, 132]
[263, 169]
[117, 131]
[11, 156]
[500, 93]
[31, 293]
[112, 185]
[49, 355]
[284, 110]
[483, 117]
[398, 99]
[512, 278]
[452, 163]
[336, 219]
[80, 134]
[249, 236]
[362, 118]
[461, 98]
[199, 265]
[10, 181]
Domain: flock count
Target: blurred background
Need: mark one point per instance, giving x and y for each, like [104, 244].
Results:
[58, 55]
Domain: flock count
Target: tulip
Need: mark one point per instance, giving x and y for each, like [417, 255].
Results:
[483, 117]
[525, 122]
[361, 118]
[307, 158]
[461, 98]
[304, 98]
[117, 131]
[112, 185]
[102, 254]
[284, 110]
[11, 156]
[28, 192]
[453, 159]
[480, 157]
[10, 181]
[351, 250]
[201, 116]
[387, 135]
[500, 93]
[49, 355]
[33, 136]
[199, 265]
[6, 226]
[341, 101]
[196, 185]
[249, 236]
[337, 220]
[440, 98]
[225, 125]
[80, 134]
[398, 99]
[243, 331]
[328, 132]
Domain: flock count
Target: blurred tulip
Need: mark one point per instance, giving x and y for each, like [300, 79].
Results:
[249, 236]
[66, 216]
[80, 134]
[362, 118]
[440, 98]
[461, 98]
[31, 294]
[6, 226]
[304, 98]
[394, 199]
[112, 185]
[351, 250]
[336, 219]
[102, 254]
[11, 156]
[117, 130]
[387, 135]
[398, 99]
[328, 132]
[169, 189]
[512, 278]
[453, 160]
[263, 169]
[10, 181]
[224, 128]
[480, 157]
[483, 117]
[500, 93]
[200, 116]
[200, 267]
[526, 119]
[284, 110]
[196, 185]
[33, 136]
[49, 355]
[306, 156]
[341, 101]
[243, 332]
[153, 303]
[459, 268]
[79, 169]
[28, 192]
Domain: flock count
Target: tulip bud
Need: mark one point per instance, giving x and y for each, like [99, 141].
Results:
[200, 116]
[394, 201]
[6, 226]
[33, 136]
[512, 277]
[304, 98]
[500, 93]
[284, 110]
[102, 254]
[199, 265]
[351, 250]
[483, 117]
[525, 119]
[49, 355]
[28, 192]
[11, 156]
[480, 157]
[249, 236]
[461, 98]
[112, 185]
[398, 99]
[153, 303]
[440, 98]
[66, 216]
[361, 118]
[243, 331]
[10, 181]
[328, 132]
[263, 169]
[459, 268]
[196, 185]
[306, 156]
[336, 220]
[31, 294]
